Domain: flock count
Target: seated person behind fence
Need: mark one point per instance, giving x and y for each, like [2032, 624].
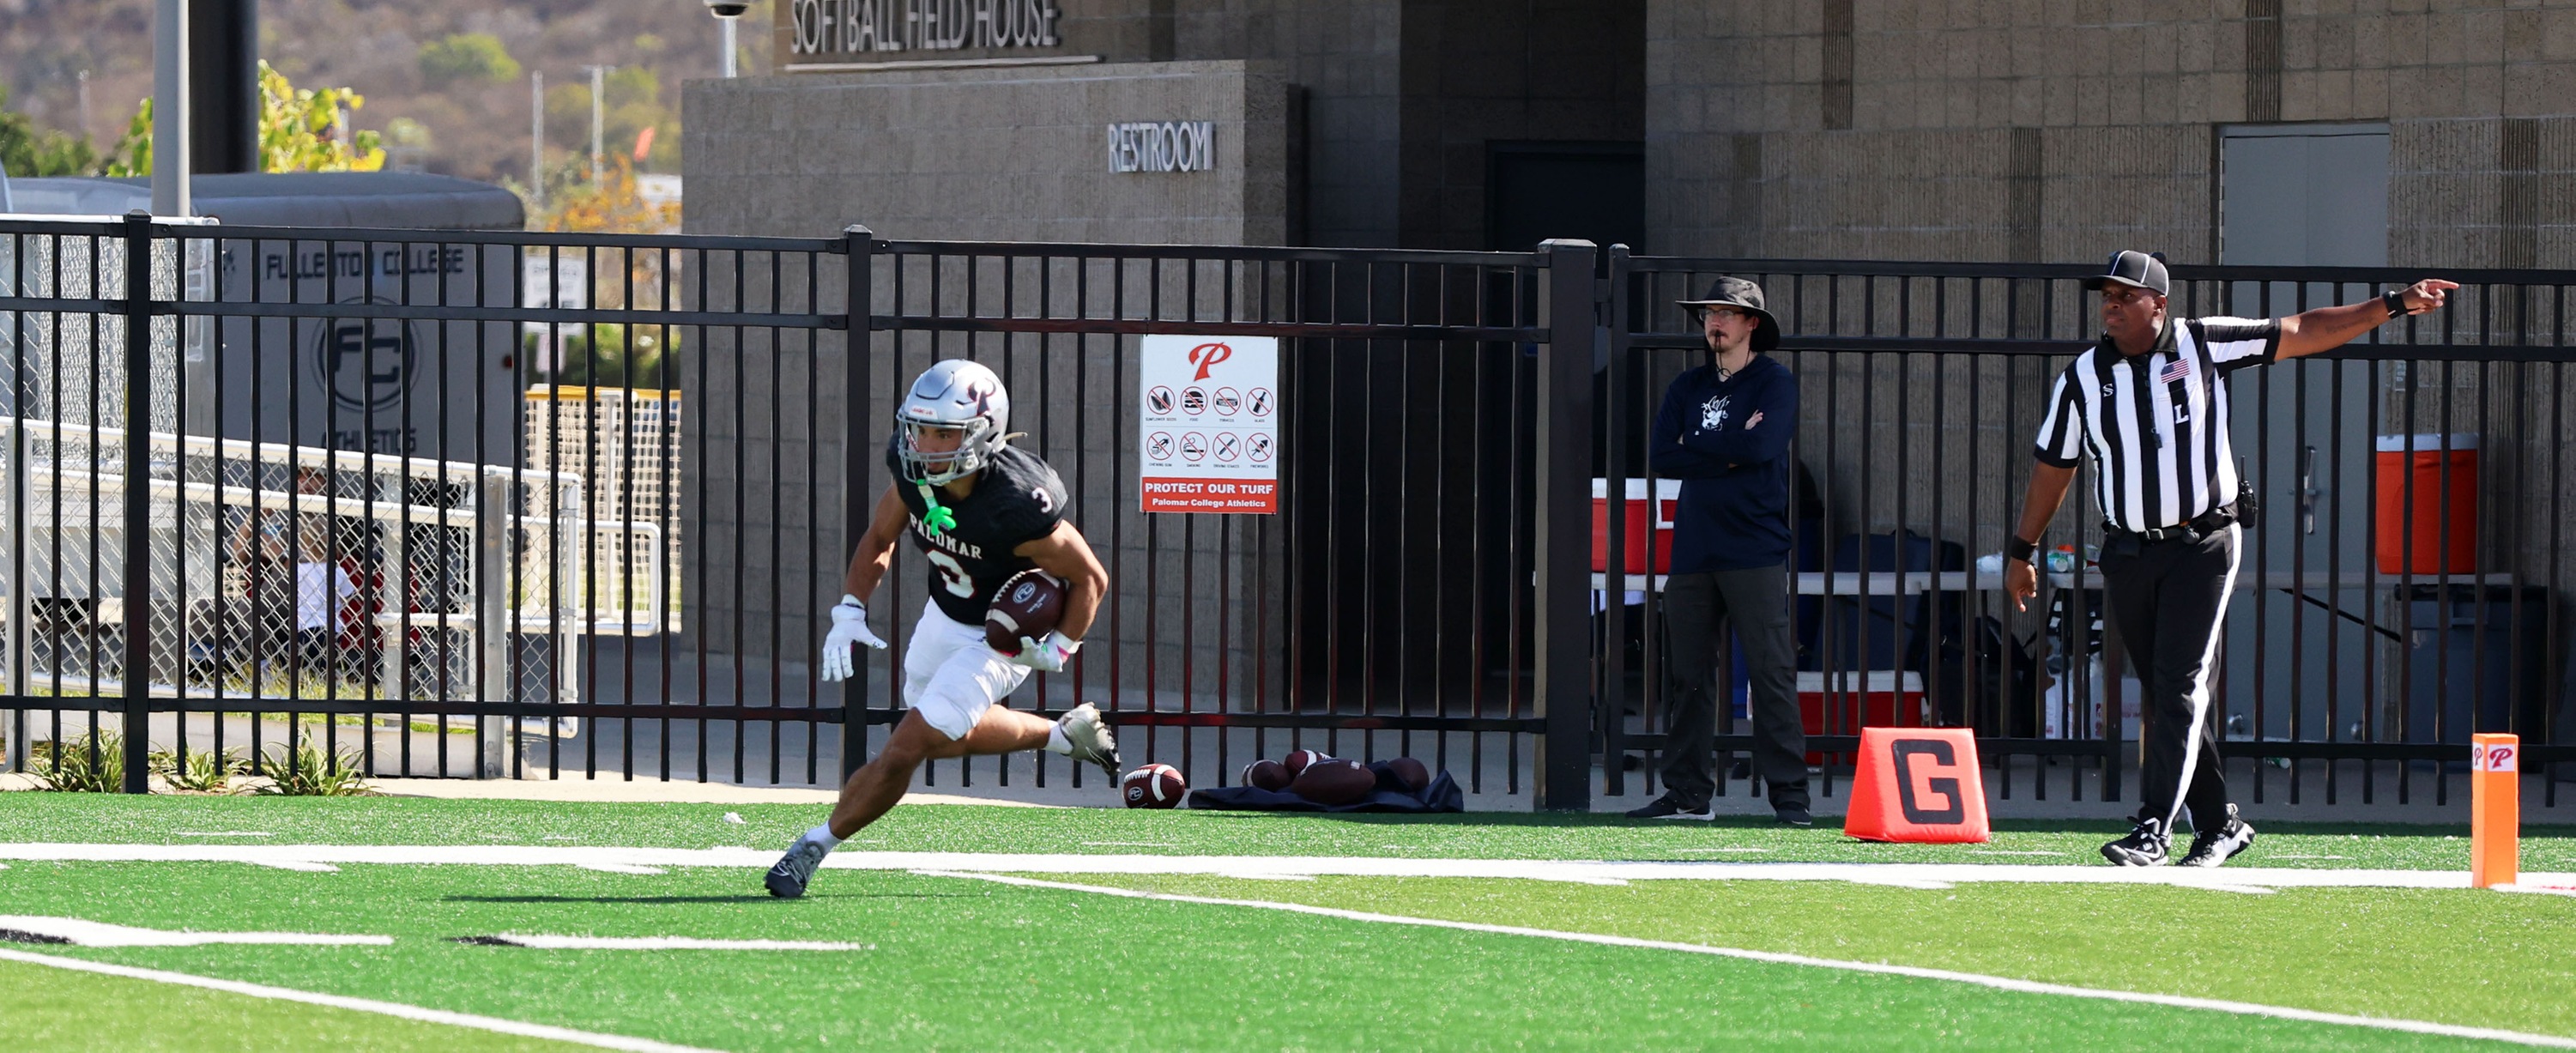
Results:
[980, 510]
[297, 634]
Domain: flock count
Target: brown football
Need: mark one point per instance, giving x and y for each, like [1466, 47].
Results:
[1266, 774]
[1153, 786]
[1029, 604]
[1335, 782]
[1296, 762]
[1412, 773]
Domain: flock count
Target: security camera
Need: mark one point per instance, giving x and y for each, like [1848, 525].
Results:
[728, 8]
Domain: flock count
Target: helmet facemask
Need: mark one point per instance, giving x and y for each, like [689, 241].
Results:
[974, 450]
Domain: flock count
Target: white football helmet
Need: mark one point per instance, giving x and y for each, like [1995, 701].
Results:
[952, 394]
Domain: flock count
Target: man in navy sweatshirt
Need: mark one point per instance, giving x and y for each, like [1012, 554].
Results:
[1724, 431]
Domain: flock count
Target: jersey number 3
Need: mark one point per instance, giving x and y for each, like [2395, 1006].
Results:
[951, 573]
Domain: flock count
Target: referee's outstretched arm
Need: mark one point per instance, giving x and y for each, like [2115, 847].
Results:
[2327, 328]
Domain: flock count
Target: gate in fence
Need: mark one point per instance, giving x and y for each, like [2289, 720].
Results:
[391, 502]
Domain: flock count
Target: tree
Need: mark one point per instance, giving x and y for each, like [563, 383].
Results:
[613, 205]
[299, 131]
[30, 149]
[299, 128]
[467, 56]
[609, 355]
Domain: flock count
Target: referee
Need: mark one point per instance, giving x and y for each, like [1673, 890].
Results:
[2148, 403]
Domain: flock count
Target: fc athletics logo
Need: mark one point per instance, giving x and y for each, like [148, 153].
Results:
[366, 363]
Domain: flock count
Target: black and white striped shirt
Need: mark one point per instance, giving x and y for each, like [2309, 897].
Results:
[2156, 424]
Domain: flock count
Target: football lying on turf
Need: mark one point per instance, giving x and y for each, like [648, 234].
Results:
[1332, 781]
[1153, 786]
[1029, 604]
[1266, 774]
[1412, 773]
[1296, 762]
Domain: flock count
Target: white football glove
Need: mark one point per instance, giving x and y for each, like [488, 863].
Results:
[849, 626]
[1047, 655]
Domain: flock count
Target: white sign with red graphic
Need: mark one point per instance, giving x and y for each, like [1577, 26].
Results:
[1207, 424]
[2492, 756]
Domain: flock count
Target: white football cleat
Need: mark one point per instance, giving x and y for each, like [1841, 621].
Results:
[1091, 739]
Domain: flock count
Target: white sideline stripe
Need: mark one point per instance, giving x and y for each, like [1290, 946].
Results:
[86, 933]
[2001, 983]
[305, 865]
[221, 833]
[665, 943]
[1926, 876]
[362, 1005]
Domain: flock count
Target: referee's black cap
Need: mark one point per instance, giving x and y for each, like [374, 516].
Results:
[2135, 269]
[1742, 295]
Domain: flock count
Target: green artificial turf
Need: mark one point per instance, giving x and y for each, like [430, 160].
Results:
[959, 963]
[58, 1009]
[2456, 956]
[972, 828]
[962, 963]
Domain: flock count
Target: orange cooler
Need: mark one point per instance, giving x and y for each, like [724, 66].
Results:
[2410, 522]
[1641, 515]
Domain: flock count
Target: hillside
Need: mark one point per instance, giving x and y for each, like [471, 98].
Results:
[473, 121]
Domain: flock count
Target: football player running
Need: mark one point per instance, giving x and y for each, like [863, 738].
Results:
[980, 511]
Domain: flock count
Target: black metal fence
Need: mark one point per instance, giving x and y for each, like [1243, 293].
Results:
[443, 503]
[1382, 599]
[440, 503]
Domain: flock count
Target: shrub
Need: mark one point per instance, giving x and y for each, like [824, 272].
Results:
[306, 771]
[467, 56]
[93, 763]
[203, 771]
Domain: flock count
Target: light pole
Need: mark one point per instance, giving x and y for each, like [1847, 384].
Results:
[729, 12]
[537, 136]
[170, 109]
[598, 152]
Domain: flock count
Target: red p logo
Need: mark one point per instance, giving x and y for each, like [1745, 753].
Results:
[1206, 355]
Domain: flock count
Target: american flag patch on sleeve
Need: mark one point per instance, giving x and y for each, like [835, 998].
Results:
[2174, 370]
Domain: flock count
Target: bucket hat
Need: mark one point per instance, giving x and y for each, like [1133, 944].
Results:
[1744, 296]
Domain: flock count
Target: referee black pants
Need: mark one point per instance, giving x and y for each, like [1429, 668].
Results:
[1697, 610]
[2168, 597]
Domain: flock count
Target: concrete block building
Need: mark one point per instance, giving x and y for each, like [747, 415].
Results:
[2415, 133]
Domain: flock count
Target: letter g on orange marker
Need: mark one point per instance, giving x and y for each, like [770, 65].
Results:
[1918, 785]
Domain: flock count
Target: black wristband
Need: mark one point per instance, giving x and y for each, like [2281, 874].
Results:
[2016, 548]
[2395, 301]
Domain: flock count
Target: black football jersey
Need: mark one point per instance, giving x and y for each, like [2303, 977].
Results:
[1017, 499]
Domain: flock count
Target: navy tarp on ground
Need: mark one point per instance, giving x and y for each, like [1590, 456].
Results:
[1442, 795]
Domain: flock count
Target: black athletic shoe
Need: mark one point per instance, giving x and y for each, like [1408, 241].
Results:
[1667, 808]
[2211, 848]
[787, 879]
[2144, 847]
[1794, 815]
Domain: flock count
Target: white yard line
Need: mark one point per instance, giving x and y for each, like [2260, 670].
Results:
[362, 1005]
[85, 933]
[2001, 983]
[1927, 876]
[655, 943]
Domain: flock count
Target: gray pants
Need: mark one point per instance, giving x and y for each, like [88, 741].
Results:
[1697, 608]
